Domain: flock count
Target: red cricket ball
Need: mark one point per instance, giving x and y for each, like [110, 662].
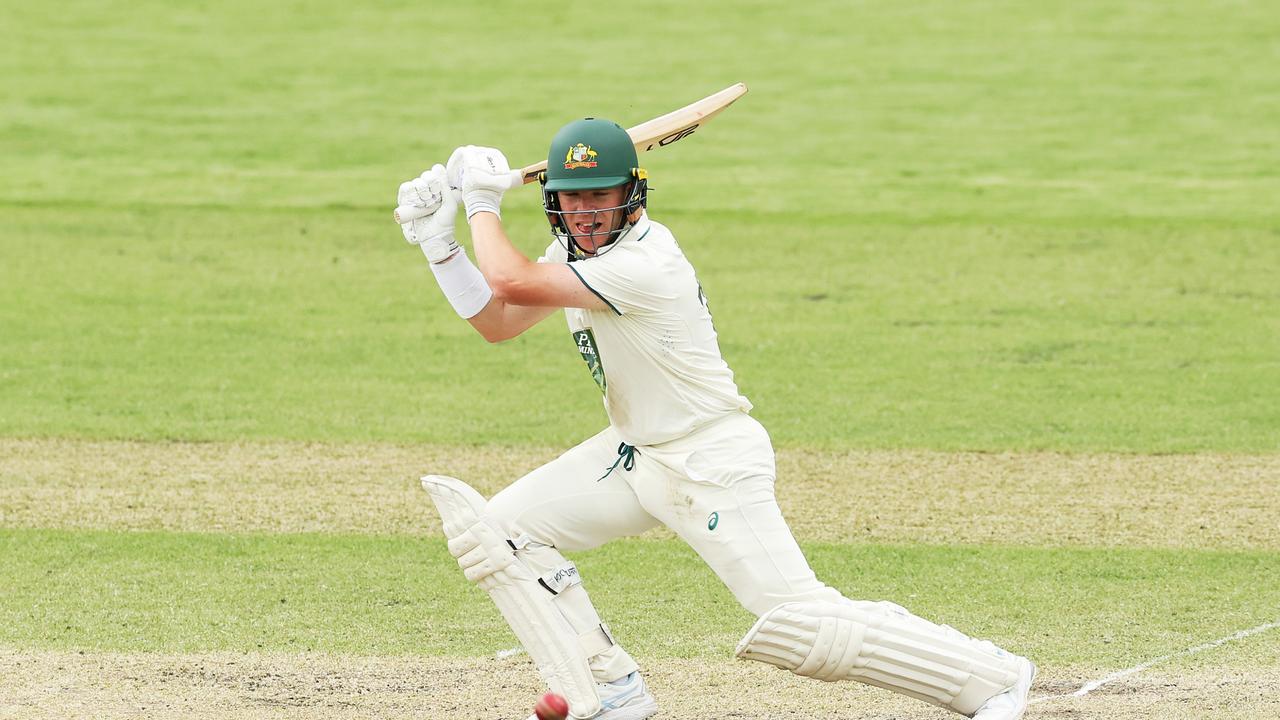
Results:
[551, 707]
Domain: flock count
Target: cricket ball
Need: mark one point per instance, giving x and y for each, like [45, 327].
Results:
[551, 707]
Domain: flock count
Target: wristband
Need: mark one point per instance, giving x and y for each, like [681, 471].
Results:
[463, 284]
[483, 201]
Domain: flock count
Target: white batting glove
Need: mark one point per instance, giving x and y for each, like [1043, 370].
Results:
[483, 175]
[434, 232]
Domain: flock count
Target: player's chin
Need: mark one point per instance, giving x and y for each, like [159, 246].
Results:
[588, 243]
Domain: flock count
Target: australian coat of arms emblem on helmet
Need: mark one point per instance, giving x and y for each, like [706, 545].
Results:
[579, 156]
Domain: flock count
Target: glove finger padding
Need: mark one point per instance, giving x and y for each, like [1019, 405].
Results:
[426, 191]
[482, 174]
[407, 195]
[434, 232]
[453, 166]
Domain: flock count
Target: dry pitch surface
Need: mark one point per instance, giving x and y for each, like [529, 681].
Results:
[1212, 501]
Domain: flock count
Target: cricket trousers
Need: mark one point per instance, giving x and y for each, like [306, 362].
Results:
[714, 488]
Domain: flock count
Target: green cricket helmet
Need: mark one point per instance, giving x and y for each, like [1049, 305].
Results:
[592, 154]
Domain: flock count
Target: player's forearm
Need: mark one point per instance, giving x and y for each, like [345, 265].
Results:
[502, 264]
[490, 322]
[501, 320]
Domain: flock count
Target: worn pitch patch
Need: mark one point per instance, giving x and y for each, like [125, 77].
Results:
[1038, 499]
[103, 686]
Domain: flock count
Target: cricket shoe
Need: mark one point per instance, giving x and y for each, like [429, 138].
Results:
[1012, 703]
[624, 699]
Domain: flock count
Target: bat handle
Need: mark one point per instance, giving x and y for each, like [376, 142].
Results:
[409, 213]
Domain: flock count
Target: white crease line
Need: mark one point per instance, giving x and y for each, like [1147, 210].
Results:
[1095, 684]
[504, 654]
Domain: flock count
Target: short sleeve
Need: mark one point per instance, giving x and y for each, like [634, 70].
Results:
[555, 253]
[627, 279]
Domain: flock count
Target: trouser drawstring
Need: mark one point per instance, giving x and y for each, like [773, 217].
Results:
[627, 456]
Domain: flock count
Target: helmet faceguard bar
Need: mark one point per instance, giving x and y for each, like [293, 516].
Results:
[637, 198]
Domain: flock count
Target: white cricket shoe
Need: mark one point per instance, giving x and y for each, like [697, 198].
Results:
[1012, 703]
[627, 698]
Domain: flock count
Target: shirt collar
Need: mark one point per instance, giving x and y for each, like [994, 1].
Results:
[638, 230]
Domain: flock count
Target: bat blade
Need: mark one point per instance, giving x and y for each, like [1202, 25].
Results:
[666, 129]
[649, 135]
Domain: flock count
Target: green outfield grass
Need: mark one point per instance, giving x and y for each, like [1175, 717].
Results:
[210, 325]
[990, 226]
[996, 226]
[188, 592]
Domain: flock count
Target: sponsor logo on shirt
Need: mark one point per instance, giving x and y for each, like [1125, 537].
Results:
[587, 348]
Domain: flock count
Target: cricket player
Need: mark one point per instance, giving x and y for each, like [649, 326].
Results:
[680, 450]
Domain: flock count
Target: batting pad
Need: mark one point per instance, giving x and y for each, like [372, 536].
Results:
[488, 559]
[881, 644]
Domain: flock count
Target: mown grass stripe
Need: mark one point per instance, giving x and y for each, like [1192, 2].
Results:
[188, 592]
[1207, 501]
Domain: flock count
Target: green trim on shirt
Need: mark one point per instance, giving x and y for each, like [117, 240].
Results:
[593, 290]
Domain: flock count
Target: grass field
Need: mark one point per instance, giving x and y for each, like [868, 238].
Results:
[1000, 279]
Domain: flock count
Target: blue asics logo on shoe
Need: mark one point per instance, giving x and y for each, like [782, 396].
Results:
[625, 699]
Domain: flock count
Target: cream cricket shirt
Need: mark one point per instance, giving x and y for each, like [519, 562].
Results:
[653, 351]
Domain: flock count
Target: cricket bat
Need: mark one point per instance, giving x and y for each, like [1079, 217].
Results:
[656, 133]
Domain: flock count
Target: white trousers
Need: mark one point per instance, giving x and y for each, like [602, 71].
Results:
[713, 488]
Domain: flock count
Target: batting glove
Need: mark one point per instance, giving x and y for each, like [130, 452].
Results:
[483, 175]
[434, 232]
